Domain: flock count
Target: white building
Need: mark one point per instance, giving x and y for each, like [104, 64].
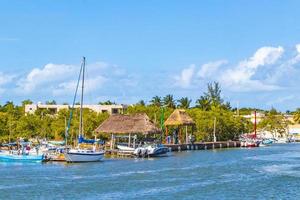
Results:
[111, 109]
[251, 117]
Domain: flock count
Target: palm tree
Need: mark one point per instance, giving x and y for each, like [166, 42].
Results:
[107, 103]
[184, 102]
[169, 101]
[156, 101]
[203, 103]
[141, 103]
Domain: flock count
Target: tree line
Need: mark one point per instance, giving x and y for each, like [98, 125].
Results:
[14, 123]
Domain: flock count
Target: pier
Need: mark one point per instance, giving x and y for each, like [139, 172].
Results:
[203, 145]
[182, 147]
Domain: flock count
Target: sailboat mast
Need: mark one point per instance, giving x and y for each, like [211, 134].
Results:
[81, 100]
[255, 123]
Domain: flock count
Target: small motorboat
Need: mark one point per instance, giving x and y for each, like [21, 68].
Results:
[282, 140]
[267, 141]
[153, 150]
[125, 148]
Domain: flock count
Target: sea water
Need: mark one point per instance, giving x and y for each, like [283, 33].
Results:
[271, 172]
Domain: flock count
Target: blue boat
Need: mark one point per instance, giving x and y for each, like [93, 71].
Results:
[267, 141]
[8, 157]
[22, 154]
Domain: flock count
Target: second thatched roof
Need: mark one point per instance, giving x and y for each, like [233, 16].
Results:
[179, 117]
[126, 124]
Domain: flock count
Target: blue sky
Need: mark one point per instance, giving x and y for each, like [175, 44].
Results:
[138, 49]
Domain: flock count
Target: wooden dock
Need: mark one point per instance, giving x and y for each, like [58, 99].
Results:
[203, 145]
[182, 147]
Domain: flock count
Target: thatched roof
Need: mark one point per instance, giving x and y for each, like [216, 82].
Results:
[125, 124]
[179, 117]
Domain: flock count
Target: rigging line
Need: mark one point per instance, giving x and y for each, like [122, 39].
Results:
[72, 108]
[81, 101]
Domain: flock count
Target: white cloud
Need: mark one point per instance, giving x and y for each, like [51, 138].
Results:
[208, 70]
[4, 80]
[286, 69]
[185, 78]
[59, 81]
[280, 100]
[48, 74]
[240, 78]
[298, 48]
[69, 87]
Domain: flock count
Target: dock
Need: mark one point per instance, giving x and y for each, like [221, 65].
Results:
[115, 153]
[203, 145]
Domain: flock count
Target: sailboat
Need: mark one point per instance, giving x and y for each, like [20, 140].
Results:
[79, 154]
[251, 140]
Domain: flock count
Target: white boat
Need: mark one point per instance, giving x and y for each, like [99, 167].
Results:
[125, 148]
[82, 155]
[153, 150]
[281, 140]
[78, 154]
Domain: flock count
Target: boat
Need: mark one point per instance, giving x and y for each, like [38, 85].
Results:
[267, 141]
[151, 150]
[83, 155]
[250, 143]
[21, 158]
[23, 154]
[125, 148]
[250, 140]
[80, 154]
[282, 140]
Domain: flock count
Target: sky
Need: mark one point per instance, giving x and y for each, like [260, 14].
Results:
[139, 49]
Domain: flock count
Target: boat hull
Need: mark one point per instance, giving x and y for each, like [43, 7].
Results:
[21, 158]
[84, 157]
[151, 152]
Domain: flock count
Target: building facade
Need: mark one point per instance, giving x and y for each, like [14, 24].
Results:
[54, 109]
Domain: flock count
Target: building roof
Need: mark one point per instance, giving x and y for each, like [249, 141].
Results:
[179, 117]
[125, 124]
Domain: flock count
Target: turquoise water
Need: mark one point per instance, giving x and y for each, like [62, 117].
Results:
[259, 173]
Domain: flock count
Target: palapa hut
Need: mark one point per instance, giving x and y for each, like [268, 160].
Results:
[127, 125]
[179, 118]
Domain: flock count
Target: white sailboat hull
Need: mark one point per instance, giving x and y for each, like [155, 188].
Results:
[83, 157]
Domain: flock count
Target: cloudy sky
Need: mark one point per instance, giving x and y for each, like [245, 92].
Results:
[138, 49]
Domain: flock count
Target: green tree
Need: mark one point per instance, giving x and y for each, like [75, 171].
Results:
[297, 116]
[156, 101]
[184, 102]
[275, 123]
[52, 102]
[169, 101]
[26, 102]
[212, 97]
[203, 103]
[108, 102]
[141, 103]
